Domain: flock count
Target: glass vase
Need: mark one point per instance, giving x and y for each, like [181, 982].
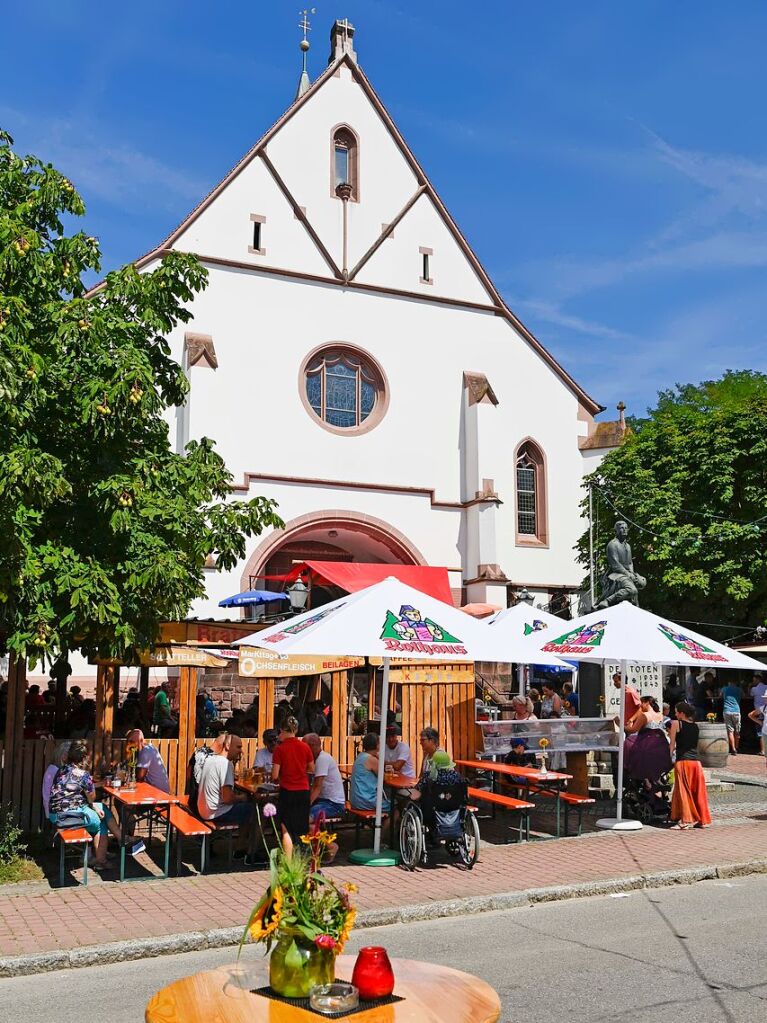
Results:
[296, 965]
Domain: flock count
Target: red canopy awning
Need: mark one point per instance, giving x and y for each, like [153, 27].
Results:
[355, 575]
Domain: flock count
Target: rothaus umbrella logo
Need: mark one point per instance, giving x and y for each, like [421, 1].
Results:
[691, 646]
[293, 630]
[578, 641]
[535, 626]
[410, 632]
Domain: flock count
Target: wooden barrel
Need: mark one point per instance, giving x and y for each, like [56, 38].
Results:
[713, 747]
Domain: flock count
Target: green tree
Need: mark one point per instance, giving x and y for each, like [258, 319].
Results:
[693, 475]
[104, 530]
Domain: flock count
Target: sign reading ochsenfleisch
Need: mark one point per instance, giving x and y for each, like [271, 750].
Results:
[256, 663]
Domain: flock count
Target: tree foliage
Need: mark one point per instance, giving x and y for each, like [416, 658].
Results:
[104, 530]
[693, 475]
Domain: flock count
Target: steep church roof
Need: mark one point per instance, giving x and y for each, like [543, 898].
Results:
[355, 278]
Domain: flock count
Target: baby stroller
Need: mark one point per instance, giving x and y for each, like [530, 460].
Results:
[646, 786]
[442, 815]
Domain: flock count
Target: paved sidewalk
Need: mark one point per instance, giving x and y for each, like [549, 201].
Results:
[75, 917]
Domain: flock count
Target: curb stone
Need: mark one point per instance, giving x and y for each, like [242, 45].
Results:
[222, 937]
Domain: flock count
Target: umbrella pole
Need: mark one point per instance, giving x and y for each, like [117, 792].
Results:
[621, 742]
[381, 749]
[617, 823]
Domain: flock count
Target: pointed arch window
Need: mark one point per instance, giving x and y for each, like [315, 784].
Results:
[530, 494]
[345, 160]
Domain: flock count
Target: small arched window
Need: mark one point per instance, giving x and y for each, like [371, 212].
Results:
[344, 389]
[531, 494]
[345, 161]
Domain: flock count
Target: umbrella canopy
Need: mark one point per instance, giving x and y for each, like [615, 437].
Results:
[628, 633]
[252, 597]
[523, 620]
[391, 619]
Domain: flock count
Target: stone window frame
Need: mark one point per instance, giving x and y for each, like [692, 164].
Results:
[536, 455]
[375, 371]
[353, 146]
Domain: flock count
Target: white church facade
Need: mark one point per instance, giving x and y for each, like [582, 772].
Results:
[352, 360]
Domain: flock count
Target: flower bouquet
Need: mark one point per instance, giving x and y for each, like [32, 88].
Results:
[544, 744]
[711, 718]
[305, 915]
[131, 760]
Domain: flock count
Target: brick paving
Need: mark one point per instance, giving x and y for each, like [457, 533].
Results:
[36, 920]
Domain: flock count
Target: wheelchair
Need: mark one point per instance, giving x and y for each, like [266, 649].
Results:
[444, 818]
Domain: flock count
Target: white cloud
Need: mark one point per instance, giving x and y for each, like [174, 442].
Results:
[100, 163]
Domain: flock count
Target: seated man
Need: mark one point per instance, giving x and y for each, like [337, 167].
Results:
[397, 753]
[149, 765]
[327, 792]
[264, 755]
[363, 784]
[217, 800]
[429, 739]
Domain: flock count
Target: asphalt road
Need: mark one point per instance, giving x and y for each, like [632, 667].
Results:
[674, 955]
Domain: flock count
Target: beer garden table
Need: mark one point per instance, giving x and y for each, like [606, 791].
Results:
[431, 994]
[529, 778]
[142, 798]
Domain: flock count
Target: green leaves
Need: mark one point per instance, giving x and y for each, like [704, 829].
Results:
[693, 478]
[104, 530]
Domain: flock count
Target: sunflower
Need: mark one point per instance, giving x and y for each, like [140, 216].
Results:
[346, 930]
[271, 906]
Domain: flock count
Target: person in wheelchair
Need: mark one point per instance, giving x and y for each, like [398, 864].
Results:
[441, 794]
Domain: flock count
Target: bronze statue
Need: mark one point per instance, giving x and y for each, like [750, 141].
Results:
[620, 581]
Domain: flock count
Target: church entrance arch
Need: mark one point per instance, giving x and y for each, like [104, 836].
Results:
[327, 536]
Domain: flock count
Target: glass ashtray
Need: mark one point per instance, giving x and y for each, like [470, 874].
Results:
[332, 998]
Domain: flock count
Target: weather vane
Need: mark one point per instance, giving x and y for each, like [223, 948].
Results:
[304, 24]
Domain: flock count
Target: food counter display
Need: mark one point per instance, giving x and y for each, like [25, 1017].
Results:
[565, 735]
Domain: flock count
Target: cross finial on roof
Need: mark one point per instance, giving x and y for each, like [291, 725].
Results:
[303, 82]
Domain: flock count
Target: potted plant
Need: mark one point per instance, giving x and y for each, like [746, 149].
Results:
[302, 913]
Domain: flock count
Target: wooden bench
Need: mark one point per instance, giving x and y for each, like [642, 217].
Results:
[569, 799]
[362, 818]
[186, 825]
[72, 837]
[519, 806]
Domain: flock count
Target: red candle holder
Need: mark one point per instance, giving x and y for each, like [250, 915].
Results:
[373, 974]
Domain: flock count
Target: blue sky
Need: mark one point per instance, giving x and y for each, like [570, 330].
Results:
[607, 161]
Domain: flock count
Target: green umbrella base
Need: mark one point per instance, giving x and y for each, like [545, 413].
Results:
[369, 858]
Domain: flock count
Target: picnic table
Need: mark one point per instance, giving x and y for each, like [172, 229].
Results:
[530, 778]
[141, 800]
[430, 994]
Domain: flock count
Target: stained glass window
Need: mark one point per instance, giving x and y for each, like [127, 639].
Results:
[341, 388]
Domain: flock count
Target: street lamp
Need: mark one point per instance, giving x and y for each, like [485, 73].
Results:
[298, 595]
[525, 597]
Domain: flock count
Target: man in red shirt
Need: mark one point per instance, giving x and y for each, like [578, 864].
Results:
[292, 763]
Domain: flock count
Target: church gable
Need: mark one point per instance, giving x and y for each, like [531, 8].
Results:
[305, 153]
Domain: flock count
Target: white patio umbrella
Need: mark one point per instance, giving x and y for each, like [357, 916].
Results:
[391, 619]
[523, 620]
[628, 634]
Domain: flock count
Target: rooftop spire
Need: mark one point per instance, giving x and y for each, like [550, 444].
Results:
[303, 81]
[342, 41]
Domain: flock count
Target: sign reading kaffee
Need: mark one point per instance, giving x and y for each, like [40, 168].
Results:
[256, 663]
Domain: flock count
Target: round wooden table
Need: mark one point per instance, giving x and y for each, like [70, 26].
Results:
[432, 994]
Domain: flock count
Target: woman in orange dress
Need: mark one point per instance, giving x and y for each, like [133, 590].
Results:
[689, 800]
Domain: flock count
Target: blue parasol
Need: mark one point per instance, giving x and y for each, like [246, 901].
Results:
[252, 597]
